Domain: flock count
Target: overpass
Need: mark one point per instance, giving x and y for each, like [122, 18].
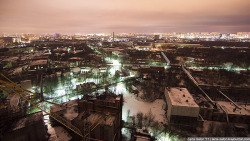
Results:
[196, 84]
[165, 58]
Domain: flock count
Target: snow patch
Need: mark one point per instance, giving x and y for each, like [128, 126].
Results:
[136, 105]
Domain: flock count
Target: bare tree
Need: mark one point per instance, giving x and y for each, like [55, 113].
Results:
[139, 117]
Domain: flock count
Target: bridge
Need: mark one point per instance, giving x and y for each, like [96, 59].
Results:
[165, 58]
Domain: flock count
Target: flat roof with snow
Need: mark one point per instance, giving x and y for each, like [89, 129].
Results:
[180, 97]
[63, 106]
[28, 120]
[229, 107]
[109, 121]
[39, 62]
[14, 101]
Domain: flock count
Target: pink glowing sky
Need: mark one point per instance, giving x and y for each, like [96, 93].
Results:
[145, 16]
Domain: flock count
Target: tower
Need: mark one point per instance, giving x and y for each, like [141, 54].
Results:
[113, 37]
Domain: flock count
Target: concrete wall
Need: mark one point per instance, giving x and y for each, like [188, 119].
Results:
[185, 111]
[180, 110]
[169, 104]
[210, 114]
[114, 107]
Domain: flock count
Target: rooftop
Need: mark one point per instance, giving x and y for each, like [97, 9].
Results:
[14, 101]
[39, 62]
[94, 117]
[63, 106]
[27, 120]
[181, 97]
[229, 107]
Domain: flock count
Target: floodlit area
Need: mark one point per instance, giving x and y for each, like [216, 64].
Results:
[128, 84]
[136, 105]
[65, 88]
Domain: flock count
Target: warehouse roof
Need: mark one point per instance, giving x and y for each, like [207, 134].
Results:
[180, 97]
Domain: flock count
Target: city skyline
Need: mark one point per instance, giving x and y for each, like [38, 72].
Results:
[33, 16]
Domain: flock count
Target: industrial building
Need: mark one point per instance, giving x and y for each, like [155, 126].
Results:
[181, 107]
[233, 113]
[96, 117]
[26, 128]
[26, 84]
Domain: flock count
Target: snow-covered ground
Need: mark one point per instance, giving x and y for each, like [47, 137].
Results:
[56, 133]
[59, 134]
[136, 105]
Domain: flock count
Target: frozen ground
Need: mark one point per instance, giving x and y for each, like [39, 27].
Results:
[56, 133]
[136, 105]
[59, 134]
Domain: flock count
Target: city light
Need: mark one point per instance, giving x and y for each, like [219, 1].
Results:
[124, 70]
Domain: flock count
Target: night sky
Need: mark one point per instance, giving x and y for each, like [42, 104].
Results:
[130, 16]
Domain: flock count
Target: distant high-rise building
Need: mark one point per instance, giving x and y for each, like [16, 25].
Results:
[220, 35]
[57, 35]
[228, 36]
[157, 37]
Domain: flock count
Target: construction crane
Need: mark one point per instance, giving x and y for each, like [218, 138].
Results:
[25, 94]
